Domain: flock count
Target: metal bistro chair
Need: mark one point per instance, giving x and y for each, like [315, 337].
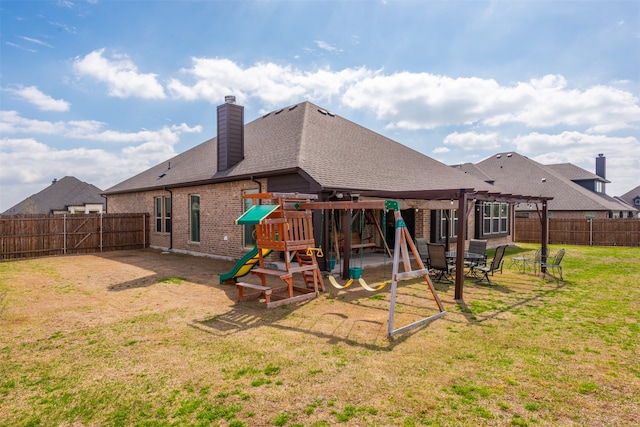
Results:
[438, 262]
[554, 265]
[496, 265]
[423, 250]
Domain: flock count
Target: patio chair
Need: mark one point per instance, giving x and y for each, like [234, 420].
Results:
[423, 250]
[554, 264]
[478, 247]
[483, 271]
[438, 262]
[524, 261]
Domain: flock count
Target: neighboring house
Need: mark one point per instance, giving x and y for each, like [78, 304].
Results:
[632, 198]
[67, 195]
[576, 193]
[195, 197]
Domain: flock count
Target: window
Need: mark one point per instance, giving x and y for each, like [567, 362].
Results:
[450, 216]
[599, 187]
[249, 230]
[495, 218]
[163, 214]
[194, 218]
[167, 214]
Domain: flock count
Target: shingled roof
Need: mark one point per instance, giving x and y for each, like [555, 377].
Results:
[68, 191]
[518, 174]
[334, 152]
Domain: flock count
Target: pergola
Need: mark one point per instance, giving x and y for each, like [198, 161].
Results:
[462, 196]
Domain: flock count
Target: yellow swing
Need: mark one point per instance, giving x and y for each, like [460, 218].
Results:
[332, 279]
[362, 282]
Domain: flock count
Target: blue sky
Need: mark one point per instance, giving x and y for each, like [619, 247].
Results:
[102, 90]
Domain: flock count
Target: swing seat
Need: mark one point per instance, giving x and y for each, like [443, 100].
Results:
[373, 288]
[355, 272]
[337, 285]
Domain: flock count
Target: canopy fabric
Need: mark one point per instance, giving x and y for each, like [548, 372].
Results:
[256, 214]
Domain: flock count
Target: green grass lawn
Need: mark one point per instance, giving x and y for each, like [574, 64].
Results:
[116, 340]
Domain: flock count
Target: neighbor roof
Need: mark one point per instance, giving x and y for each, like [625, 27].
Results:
[68, 191]
[518, 174]
[333, 151]
[575, 173]
[630, 195]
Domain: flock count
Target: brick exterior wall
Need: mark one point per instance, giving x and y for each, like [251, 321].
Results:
[220, 205]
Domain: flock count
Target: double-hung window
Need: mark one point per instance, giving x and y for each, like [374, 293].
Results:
[450, 217]
[163, 214]
[495, 218]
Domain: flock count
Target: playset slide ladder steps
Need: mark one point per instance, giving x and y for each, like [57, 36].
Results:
[307, 267]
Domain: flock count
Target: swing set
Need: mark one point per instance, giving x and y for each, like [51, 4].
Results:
[404, 247]
[355, 273]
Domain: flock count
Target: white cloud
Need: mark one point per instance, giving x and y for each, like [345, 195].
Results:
[11, 123]
[580, 149]
[17, 46]
[473, 140]
[425, 101]
[44, 102]
[120, 74]
[20, 178]
[35, 41]
[271, 83]
[326, 46]
[574, 144]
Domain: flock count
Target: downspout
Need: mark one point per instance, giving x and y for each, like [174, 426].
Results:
[257, 182]
[171, 232]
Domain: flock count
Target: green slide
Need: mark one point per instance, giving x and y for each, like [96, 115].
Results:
[244, 265]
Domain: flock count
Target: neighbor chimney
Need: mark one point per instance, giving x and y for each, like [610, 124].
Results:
[601, 166]
[230, 133]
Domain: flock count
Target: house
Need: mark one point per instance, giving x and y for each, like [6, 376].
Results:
[64, 196]
[632, 198]
[194, 198]
[576, 193]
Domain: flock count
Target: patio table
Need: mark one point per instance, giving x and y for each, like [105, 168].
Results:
[471, 259]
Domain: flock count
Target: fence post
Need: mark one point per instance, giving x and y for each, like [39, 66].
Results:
[144, 231]
[64, 234]
[100, 232]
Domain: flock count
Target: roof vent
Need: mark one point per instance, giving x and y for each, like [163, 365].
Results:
[498, 156]
[510, 154]
[321, 111]
[229, 99]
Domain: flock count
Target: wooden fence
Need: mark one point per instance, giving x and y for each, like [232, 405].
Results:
[29, 236]
[595, 232]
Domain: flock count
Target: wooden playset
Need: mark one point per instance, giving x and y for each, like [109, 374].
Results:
[284, 223]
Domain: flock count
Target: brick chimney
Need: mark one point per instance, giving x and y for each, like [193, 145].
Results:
[601, 166]
[230, 133]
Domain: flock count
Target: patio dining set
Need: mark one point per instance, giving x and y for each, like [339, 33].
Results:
[476, 266]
